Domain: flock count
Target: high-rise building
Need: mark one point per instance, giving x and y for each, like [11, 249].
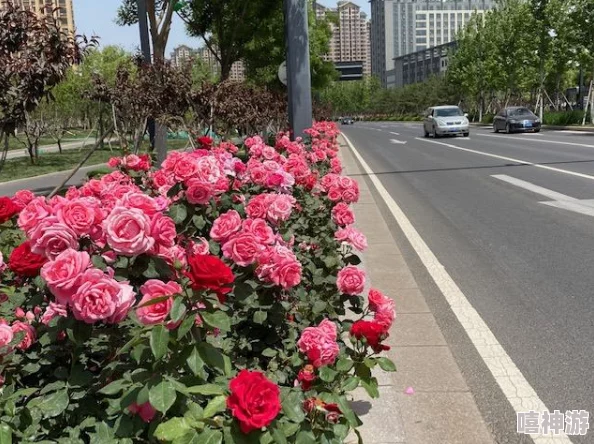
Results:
[184, 53]
[400, 27]
[61, 9]
[350, 34]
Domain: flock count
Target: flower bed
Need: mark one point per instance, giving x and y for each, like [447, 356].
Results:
[203, 302]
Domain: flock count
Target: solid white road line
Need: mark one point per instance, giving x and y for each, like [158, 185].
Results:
[511, 159]
[399, 142]
[534, 188]
[585, 145]
[396, 134]
[516, 388]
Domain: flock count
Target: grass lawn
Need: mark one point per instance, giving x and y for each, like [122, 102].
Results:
[52, 162]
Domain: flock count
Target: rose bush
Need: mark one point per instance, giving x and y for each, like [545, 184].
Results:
[202, 302]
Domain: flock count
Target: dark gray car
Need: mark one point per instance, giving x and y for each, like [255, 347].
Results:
[516, 118]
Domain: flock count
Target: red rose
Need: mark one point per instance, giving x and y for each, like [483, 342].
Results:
[254, 400]
[208, 272]
[306, 376]
[24, 262]
[7, 209]
[374, 332]
[205, 142]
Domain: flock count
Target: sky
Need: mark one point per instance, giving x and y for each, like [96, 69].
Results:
[97, 18]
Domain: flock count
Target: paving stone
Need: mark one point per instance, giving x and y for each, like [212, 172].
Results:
[400, 278]
[442, 418]
[425, 369]
[415, 329]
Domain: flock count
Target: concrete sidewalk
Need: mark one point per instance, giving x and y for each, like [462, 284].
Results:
[442, 409]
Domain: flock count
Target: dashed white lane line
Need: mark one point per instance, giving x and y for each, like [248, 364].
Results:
[511, 159]
[515, 387]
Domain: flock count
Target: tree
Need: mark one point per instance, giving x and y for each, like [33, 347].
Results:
[227, 26]
[267, 50]
[160, 16]
[36, 55]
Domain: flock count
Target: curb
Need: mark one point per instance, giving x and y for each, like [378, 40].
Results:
[442, 408]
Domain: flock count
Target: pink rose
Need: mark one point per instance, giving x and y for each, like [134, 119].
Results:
[185, 169]
[353, 237]
[163, 231]
[350, 280]
[280, 208]
[280, 266]
[63, 274]
[242, 249]
[32, 215]
[260, 229]
[200, 247]
[257, 207]
[319, 344]
[141, 201]
[30, 335]
[342, 215]
[198, 192]
[383, 307]
[80, 215]
[50, 238]
[287, 274]
[156, 313]
[23, 197]
[53, 311]
[335, 194]
[126, 299]
[128, 231]
[97, 298]
[6, 335]
[209, 170]
[225, 225]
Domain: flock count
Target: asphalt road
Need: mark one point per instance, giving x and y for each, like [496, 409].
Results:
[525, 266]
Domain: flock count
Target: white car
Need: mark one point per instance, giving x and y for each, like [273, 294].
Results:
[445, 120]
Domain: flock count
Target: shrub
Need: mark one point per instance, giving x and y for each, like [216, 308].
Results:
[563, 118]
[202, 302]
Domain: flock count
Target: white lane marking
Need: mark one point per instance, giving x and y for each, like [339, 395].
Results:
[396, 134]
[511, 159]
[559, 200]
[585, 145]
[399, 142]
[553, 195]
[572, 132]
[516, 388]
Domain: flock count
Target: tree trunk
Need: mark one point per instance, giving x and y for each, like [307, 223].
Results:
[60, 145]
[225, 68]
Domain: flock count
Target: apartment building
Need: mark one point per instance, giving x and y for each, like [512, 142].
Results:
[350, 34]
[184, 53]
[401, 27]
[62, 9]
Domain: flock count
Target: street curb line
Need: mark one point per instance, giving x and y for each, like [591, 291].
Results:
[515, 387]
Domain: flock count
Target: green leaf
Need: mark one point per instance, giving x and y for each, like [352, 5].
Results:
[269, 352]
[218, 320]
[103, 434]
[289, 428]
[185, 326]
[327, 374]
[214, 358]
[196, 363]
[370, 362]
[386, 364]
[178, 213]
[278, 436]
[191, 437]
[266, 438]
[162, 396]
[5, 434]
[260, 317]
[210, 436]
[350, 384]
[198, 221]
[54, 404]
[305, 437]
[159, 341]
[178, 309]
[319, 306]
[346, 410]
[172, 429]
[114, 387]
[344, 365]
[205, 389]
[292, 402]
[371, 387]
[216, 405]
